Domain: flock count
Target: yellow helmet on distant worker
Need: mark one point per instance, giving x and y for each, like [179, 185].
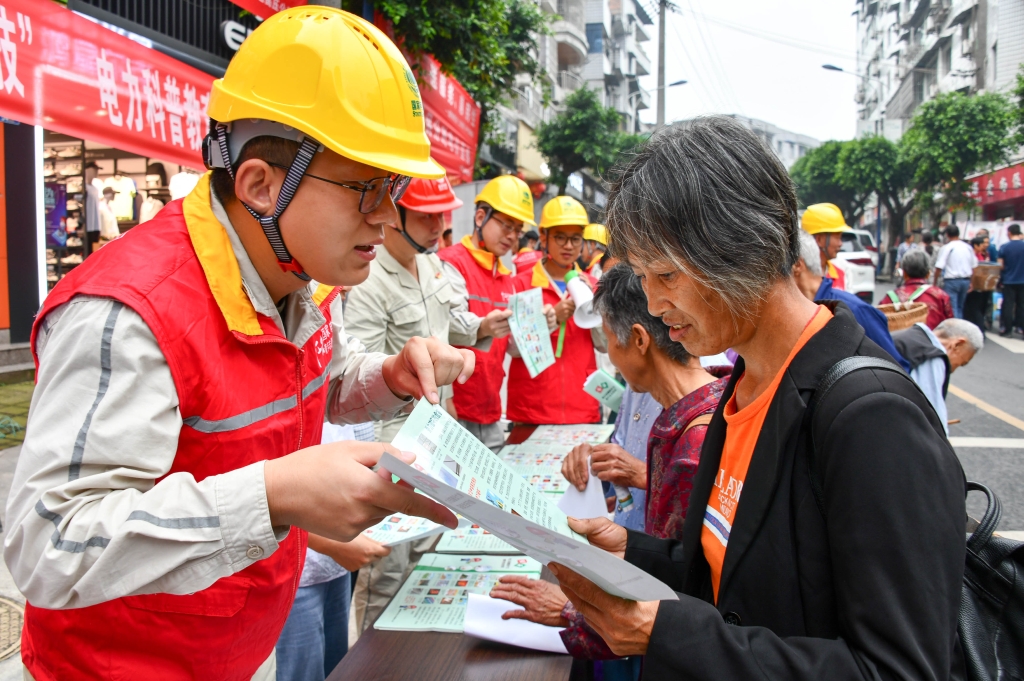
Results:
[334, 77]
[509, 195]
[824, 218]
[563, 210]
[596, 232]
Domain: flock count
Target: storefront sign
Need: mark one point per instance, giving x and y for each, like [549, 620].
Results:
[266, 8]
[71, 75]
[452, 120]
[1002, 185]
[234, 34]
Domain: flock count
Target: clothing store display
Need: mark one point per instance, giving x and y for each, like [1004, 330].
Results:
[123, 203]
[149, 208]
[108, 220]
[181, 184]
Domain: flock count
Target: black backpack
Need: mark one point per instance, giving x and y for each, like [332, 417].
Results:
[991, 619]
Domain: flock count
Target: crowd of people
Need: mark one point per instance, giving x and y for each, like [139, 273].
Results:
[197, 509]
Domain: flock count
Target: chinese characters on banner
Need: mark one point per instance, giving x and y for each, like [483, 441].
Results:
[265, 8]
[73, 76]
[452, 120]
[1001, 185]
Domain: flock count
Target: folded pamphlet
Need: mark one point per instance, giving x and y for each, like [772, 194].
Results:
[400, 528]
[435, 596]
[529, 328]
[457, 470]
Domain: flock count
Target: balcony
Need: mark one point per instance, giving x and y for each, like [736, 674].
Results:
[528, 106]
[567, 80]
[642, 61]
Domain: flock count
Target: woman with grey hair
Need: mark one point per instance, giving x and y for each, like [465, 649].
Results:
[847, 568]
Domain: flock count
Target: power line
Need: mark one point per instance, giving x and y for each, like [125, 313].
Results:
[710, 80]
[789, 41]
[716, 62]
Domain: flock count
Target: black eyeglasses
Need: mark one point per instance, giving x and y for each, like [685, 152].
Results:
[371, 192]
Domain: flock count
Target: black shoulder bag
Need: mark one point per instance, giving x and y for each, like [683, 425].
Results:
[991, 619]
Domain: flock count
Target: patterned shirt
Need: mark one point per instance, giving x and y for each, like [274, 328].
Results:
[672, 458]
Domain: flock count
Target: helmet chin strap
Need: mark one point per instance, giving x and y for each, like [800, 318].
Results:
[419, 248]
[269, 223]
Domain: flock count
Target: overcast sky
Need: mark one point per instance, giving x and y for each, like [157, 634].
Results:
[760, 59]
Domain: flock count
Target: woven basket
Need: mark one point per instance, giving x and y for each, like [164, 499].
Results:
[905, 317]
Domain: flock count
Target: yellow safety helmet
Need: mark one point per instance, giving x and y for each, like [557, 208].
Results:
[824, 218]
[509, 195]
[596, 232]
[563, 210]
[336, 78]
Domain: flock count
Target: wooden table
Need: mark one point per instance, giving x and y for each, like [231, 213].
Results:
[430, 656]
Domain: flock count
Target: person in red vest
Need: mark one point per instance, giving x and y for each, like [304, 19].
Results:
[528, 253]
[556, 395]
[480, 279]
[171, 473]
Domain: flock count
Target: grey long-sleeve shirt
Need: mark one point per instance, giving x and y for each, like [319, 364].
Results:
[105, 397]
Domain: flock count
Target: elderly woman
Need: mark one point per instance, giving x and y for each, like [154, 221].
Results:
[640, 347]
[839, 557]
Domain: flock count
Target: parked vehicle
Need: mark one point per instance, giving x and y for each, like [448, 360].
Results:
[858, 258]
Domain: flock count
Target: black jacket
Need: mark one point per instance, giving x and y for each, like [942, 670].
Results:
[870, 593]
[917, 348]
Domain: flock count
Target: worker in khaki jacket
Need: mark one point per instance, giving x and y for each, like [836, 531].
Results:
[406, 295]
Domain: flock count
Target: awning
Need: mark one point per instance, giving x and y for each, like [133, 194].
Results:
[71, 75]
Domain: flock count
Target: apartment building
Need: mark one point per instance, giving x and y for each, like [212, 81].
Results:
[908, 51]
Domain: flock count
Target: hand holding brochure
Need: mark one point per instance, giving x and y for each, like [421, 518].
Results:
[530, 330]
[455, 469]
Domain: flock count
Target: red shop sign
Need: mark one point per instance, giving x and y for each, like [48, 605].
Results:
[71, 75]
[452, 120]
[265, 8]
[1002, 185]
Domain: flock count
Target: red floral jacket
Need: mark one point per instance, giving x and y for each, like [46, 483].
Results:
[672, 458]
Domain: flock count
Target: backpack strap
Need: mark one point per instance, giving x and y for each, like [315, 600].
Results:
[891, 295]
[840, 369]
[702, 420]
[918, 293]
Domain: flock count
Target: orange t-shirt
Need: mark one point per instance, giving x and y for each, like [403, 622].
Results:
[742, 430]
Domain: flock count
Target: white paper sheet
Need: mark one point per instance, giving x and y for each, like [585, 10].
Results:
[457, 470]
[586, 504]
[399, 528]
[483, 620]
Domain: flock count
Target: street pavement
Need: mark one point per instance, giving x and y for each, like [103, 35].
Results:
[994, 377]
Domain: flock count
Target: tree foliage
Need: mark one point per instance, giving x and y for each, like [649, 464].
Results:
[1018, 94]
[818, 181]
[585, 135]
[484, 44]
[952, 137]
[875, 164]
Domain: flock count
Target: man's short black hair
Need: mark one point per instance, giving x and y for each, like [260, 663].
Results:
[1014, 229]
[978, 240]
[952, 231]
[621, 301]
[274, 150]
[927, 237]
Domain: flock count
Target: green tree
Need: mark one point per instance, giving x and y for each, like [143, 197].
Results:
[874, 164]
[484, 44]
[817, 181]
[585, 135]
[952, 137]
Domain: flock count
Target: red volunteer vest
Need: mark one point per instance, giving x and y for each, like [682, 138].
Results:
[556, 395]
[246, 394]
[479, 399]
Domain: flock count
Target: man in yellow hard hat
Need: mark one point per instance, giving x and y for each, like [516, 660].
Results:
[482, 286]
[555, 396]
[595, 245]
[825, 222]
[185, 371]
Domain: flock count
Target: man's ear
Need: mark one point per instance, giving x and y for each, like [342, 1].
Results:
[257, 185]
[640, 338]
[478, 217]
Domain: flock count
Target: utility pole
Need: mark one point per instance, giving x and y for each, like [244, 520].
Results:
[662, 8]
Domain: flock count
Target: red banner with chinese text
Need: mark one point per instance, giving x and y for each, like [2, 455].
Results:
[71, 75]
[452, 120]
[1001, 185]
[450, 115]
[265, 8]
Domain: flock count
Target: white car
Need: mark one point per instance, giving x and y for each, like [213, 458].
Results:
[858, 258]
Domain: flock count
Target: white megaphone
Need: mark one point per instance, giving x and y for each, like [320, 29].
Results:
[585, 316]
